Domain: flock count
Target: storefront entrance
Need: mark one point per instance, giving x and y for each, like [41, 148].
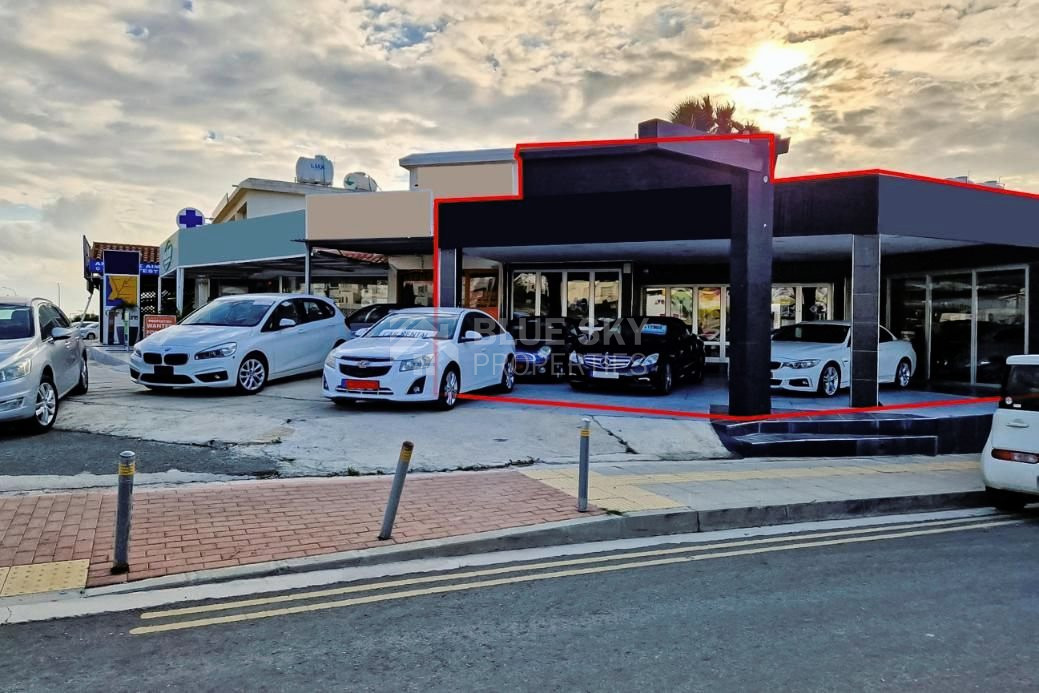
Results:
[964, 324]
[706, 309]
[589, 295]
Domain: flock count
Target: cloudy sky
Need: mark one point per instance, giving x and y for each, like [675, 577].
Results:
[115, 114]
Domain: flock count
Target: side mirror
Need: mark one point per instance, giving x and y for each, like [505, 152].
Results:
[61, 333]
[286, 322]
[472, 336]
[361, 332]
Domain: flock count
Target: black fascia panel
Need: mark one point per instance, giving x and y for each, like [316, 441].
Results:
[910, 207]
[826, 207]
[606, 217]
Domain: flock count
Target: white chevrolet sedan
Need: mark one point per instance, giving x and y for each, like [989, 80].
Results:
[816, 357]
[422, 354]
[241, 342]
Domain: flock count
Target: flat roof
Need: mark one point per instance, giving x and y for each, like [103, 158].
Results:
[470, 156]
[277, 186]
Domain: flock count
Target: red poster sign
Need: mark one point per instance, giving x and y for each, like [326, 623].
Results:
[154, 323]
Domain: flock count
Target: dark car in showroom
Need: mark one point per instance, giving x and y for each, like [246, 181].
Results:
[543, 344]
[655, 352]
[366, 316]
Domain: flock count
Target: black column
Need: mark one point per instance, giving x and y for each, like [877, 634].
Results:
[865, 319]
[450, 277]
[750, 278]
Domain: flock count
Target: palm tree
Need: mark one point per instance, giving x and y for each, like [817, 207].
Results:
[703, 115]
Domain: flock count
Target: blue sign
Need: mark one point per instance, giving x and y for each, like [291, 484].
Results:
[189, 218]
[98, 266]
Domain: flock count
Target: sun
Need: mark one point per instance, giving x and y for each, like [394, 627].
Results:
[768, 87]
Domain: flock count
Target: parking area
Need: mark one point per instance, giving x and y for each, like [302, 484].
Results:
[304, 434]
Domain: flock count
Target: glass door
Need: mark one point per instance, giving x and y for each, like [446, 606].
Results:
[586, 295]
[1001, 320]
[952, 306]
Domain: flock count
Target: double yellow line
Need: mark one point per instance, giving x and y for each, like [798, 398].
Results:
[604, 564]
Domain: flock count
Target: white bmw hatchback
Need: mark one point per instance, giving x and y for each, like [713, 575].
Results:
[422, 355]
[241, 342]
[816, 357]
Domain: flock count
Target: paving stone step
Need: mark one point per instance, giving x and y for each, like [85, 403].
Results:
[833, 444]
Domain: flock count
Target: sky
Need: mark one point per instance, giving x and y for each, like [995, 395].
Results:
[116, 114]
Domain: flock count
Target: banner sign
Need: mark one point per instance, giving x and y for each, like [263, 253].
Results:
[154, 323]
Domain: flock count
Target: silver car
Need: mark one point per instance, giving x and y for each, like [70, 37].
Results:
[42, 359]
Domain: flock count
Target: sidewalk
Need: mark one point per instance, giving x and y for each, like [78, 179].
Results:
[64, 541]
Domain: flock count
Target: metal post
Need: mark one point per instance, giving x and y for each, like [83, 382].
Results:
[398, 487]
[124, 508]
[582, 471]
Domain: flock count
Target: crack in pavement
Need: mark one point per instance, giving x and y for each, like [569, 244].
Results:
[627, 448]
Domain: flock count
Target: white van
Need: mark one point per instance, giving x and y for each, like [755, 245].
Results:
[1010, 462]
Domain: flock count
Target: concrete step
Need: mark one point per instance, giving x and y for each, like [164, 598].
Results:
[832, 444]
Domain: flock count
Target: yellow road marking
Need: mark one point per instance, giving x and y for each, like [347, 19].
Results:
[371, 587]
[370, 599]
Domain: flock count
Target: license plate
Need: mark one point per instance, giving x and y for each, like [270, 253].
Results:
[164, 370]
[360, 384]
[607, 375]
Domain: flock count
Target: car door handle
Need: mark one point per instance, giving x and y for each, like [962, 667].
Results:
[1017, 424]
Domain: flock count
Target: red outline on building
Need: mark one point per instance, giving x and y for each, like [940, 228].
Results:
[771, 138]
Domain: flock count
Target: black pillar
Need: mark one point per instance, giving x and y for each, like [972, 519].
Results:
[865, 319]
[750, 272]
[450, 277]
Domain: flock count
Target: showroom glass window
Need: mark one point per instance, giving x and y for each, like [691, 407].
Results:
[1000, 322]
[578, 295]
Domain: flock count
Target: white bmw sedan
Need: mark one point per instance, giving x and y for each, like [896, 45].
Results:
[816, 357]
[241, 342]
[422, 354]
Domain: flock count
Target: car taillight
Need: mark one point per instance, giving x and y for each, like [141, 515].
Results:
[1014, 456]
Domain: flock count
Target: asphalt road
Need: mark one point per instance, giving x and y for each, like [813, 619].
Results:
[66, 453]
[945, 611]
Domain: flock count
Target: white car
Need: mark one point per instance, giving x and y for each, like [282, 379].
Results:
[816, 357]
[42, 359]
[241, 342]
[1010, 461]
[87, 330]
[422, 354]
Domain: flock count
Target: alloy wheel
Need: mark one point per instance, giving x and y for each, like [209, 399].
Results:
[904, 374]
[252, 374]
[509, 376]
[450, 388]
[46, 404]
[831, 380]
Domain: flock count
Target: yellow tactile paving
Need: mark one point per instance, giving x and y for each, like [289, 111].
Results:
[45, 577]
[624, 492]
[3, 577]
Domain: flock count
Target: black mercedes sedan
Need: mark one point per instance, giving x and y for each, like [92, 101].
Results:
[656, 352]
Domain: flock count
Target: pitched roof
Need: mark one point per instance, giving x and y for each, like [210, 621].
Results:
[149, 253]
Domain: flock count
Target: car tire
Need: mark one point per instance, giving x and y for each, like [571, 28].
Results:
[252, 374]
[450, 386]
[1007, 501]
[46, 411]
[666, 383]
[84, 379]
[903, 374]
[508, 377]
[829, 380]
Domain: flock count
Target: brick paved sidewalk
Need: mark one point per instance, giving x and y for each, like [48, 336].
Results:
[187, 529]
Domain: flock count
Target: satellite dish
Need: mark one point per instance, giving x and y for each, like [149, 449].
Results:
[360, 181]
[189, 218]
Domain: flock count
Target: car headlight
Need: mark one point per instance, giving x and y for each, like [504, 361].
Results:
[137, 352]
[417, 363]
[807, 363]
[16, 371]
[645, 361]
[330, 360]
[545, 351]
[575, 358]
[217, 352]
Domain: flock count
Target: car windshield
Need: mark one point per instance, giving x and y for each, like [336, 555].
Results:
[415, 325]
[236, 313]
[15, 321]
[817, 334]
[1021, 390]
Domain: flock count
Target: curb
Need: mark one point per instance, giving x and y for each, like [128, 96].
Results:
[101, 356]
[580, 530]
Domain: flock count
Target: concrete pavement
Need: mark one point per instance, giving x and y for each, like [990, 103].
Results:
[263, 526]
